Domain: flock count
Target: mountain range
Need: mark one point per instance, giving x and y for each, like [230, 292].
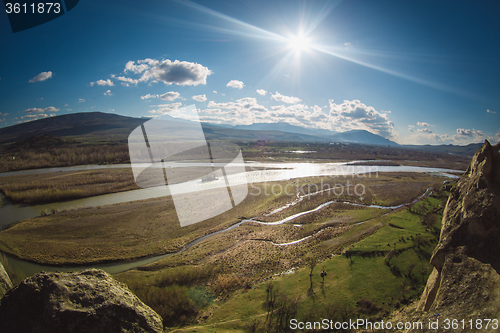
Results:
[116, 128]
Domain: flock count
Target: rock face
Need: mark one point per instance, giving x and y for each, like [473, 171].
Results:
[87, 302]
[5, 282]
[465, 282]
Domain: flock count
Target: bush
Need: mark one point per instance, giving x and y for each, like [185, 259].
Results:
[171, 303]
[230, 282]
[366, 306]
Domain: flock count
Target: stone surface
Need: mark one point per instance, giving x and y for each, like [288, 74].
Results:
[465, 283]
[90, 301]
[5, 282]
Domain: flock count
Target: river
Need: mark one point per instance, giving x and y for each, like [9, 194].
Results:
[266, 172]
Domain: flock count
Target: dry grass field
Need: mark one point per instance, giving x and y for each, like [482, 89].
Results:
[123, 232]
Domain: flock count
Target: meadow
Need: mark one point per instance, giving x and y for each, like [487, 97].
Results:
[61, 186]
[65, 155]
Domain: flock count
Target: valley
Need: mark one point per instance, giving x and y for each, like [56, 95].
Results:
[368, 216]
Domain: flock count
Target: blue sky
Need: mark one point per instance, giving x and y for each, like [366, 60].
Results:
[416, 72]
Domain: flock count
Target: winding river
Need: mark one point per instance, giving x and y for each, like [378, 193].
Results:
[266, 172]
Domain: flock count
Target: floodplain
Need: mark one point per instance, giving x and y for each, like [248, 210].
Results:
[258, 264]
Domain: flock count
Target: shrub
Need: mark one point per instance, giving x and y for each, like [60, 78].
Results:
[171, 303]
[230, 282]
[366, 306]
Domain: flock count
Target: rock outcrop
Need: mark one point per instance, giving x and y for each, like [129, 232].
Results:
[465, 282]
[5, 282]
[90, 301]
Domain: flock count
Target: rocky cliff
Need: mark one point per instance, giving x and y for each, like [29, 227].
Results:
[5, 282]
[90, 301]
[465, 282]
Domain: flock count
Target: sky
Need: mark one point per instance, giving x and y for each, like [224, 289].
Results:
[415, 72]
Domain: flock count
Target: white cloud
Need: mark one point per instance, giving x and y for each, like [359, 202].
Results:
[31, 117]
[66, 104]
[489, 111]
[348, 45]
[215, 91]
[352, 115]
[235, 84]
[423, 124]
[168, 96]
[424, 130]
[108, 93]
[108, 82]
[126, 81]
[247, 110]
[469, 135]
[411, 128]
[40, 110]
[285, 99]
[3, 114]
[41, 77]
[148, 96]
[349, 115]
[136, 69]
[242, 105]
[468, 132]
[182, 73]
[261, 92]
[165, 108]
[81, 100]
[200, 98]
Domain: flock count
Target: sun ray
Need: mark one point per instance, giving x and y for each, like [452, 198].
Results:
[301, 43]
[337, 52]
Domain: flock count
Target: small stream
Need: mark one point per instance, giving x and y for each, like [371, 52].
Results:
[30, 268]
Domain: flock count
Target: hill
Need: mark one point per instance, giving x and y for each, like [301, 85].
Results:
[105, 125]
[362, 136]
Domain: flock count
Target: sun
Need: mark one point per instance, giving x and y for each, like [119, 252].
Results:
[299, 43]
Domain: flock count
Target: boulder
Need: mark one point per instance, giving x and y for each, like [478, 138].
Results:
[5, 282]
[89, 301]
[465, 282]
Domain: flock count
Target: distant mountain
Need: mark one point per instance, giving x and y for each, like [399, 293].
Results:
[113, 127]
[317, 135]
[468, 150]
[108, 127]
[283, 127]
[362, 136]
